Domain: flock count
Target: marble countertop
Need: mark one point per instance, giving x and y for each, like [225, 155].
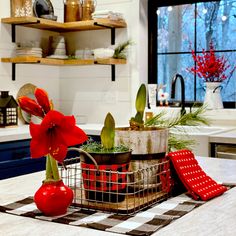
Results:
[22, 132]
[225, 137]
[217, 217]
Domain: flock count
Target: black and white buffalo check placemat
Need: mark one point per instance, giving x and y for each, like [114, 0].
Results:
[142, 223]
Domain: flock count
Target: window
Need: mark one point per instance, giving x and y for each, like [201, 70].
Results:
[174, 30]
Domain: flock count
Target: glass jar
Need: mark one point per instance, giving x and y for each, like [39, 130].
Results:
[88, 7]
[72, 10]
[21, 8]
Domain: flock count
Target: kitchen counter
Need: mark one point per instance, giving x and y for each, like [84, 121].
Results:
[224, 137]
[21, 132]
[217, 217]
[14, 133]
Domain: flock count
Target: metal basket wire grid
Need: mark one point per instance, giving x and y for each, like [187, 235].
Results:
[122, 192]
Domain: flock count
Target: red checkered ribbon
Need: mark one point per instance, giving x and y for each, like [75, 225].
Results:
[193, 177]
[165, 177]
[105, 178]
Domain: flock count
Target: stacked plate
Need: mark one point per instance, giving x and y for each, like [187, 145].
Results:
[27, 51]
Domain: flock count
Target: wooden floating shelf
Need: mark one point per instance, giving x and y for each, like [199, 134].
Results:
[59, 62]
[40, 23]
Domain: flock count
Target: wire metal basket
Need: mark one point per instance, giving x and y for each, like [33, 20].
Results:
[123, 191]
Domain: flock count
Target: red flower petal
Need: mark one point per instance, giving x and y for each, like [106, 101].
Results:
[59, 153]
[29, 105]
[54, 135]
[42, 99]
[38, 148]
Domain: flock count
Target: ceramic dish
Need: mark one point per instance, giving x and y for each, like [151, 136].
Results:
[49, 17]
[43, 7]
[58, 56]
[25, 90]
[103, 53]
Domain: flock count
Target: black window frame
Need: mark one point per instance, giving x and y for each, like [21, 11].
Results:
[152, 39]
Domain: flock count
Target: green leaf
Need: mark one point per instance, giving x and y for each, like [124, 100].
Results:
[138, 117]
[108, 132]
[141, 99]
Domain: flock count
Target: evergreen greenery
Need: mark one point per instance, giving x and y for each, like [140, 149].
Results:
[194, 118]
[96, 147]
[120, 50]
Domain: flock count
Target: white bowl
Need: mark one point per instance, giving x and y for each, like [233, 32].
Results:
[103, 53]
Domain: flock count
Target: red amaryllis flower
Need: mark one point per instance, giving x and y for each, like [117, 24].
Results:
[54, 135]
[29, 105]
[42, 99]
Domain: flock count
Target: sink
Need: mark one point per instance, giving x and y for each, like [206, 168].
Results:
[198, 130]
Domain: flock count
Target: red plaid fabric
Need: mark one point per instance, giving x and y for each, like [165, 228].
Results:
[193, 177]
[106, 178]
[165, 177]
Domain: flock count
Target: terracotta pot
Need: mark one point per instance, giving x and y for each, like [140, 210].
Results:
[53, 198]
[104, 175]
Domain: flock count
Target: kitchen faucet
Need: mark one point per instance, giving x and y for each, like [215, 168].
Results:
[175, 78]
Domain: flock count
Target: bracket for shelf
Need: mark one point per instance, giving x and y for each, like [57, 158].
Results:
[13, 39]
[113, 73]
[13, 71]
[113, 36]
[13, 33]
[113, 31]
[13, 29]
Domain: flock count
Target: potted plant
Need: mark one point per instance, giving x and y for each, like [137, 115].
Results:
[151, 140]
[51, 138]
[149, 144]
[104, 166]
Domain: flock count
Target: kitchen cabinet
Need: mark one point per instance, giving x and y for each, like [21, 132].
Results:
[15, 159]
[43, 24]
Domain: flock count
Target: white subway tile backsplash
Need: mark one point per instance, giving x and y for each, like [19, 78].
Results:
[84, 90]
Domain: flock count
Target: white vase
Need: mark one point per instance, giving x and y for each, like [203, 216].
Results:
[213, 98]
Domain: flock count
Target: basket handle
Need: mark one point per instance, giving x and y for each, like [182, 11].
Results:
[84, 152]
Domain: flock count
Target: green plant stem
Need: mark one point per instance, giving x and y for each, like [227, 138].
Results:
[55, 171]
[52, 173]
[48, 168]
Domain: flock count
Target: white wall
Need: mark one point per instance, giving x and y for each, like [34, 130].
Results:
[83, 90]
[89, 90]
[46, 77]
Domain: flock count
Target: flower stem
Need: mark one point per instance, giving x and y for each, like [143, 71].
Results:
[54, 169]
[49, 175]
[52, 173]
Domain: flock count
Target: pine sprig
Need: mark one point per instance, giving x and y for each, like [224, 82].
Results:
[193, 118]
[120, 50]
[157, 120]
[175, 143]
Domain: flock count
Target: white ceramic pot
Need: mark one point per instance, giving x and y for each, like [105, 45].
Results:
[213, 98]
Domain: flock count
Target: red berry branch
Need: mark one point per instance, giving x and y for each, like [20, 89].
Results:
[210, 67]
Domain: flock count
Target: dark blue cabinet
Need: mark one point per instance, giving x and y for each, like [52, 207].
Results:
[15, 159]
